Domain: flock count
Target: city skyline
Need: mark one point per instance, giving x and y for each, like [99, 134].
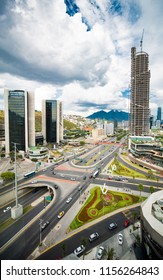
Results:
[79, 54]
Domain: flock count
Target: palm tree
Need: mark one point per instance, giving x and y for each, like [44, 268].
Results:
[84, 243]
[140, 188]
[111, 253]
[134, 216]
[63, 247]
[151, 189]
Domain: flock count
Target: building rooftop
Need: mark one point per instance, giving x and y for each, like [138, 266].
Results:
[152, 209]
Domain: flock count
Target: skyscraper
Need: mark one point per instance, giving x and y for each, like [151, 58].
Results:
[52, 121]
[139, 100]
[19, 119]
[159, 113]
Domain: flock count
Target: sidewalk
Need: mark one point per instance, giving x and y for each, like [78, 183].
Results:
[60, 231]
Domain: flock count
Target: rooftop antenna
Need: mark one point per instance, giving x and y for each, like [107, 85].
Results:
[141, 41]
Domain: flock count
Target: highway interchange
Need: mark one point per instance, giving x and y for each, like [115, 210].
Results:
[23, 236]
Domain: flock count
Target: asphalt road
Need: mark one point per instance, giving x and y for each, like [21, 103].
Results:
[71, 243]
[22, 247]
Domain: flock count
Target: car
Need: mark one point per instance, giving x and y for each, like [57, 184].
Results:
[11, 168]
[100, 253]
[79, 250]
[80, 187]
[126, 223]
[61, 214]
[62, 175]
[72, 179]
[54, 173]
[56, 187]
[44, 225]
[69, 199]
[7, 209]
[44, 170]
[112, 226]
[117, 179]
[93, 236]
[120, 238]
[34, 182]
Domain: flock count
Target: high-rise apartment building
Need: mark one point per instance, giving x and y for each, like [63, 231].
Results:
[139, 100]
[159, 113]
[52, 121]
[19, 119]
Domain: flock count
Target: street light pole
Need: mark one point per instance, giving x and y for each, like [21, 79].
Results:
[16, 185]
[40, 230]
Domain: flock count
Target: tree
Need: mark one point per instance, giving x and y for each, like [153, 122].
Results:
[110, 253]
[8, 176]
[134, 215]
[34, 159]
[151, 189]
[150, 174]
[140, 188]
[84, 243]
[82, 143]
[63, 247]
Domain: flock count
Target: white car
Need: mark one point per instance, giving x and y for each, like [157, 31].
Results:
[44, 225]
[69, 199]
[34, 182]
[7, 209]
[120, 238]
[61, 214]
[100, 253]
[93, 236]
[72, 179]
[79, 250]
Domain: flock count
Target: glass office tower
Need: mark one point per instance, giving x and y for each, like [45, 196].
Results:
[19, 119]
[52, 121]
[159, 113]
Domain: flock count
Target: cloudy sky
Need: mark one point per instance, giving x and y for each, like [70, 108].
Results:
[78, 51]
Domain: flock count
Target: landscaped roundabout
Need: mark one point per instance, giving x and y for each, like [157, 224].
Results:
[100, 203]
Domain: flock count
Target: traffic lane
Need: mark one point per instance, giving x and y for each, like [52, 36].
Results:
[9, 232]
[135, 168]
[101, 156]
[14, 228]
[24, 200]
[131, 182]
[70, 244]
[29, 239]
[58, 173]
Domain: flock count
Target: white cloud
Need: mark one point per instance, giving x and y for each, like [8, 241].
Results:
[51, 50]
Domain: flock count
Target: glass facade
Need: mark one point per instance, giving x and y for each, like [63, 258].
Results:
[51, 121]
[16, 107]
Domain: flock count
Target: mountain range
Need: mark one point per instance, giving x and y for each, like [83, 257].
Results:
[110, 116]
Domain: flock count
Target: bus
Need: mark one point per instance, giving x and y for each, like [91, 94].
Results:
[95, 173]
[29, 174]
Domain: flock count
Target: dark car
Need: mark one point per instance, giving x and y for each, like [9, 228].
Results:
[112, 226]
[126, 223]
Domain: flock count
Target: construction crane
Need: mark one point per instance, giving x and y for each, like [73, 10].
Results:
[141, 41]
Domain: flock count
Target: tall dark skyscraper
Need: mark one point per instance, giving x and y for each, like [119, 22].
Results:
[52, 121]
[139, 100]
[19, 119]
[159, 113]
